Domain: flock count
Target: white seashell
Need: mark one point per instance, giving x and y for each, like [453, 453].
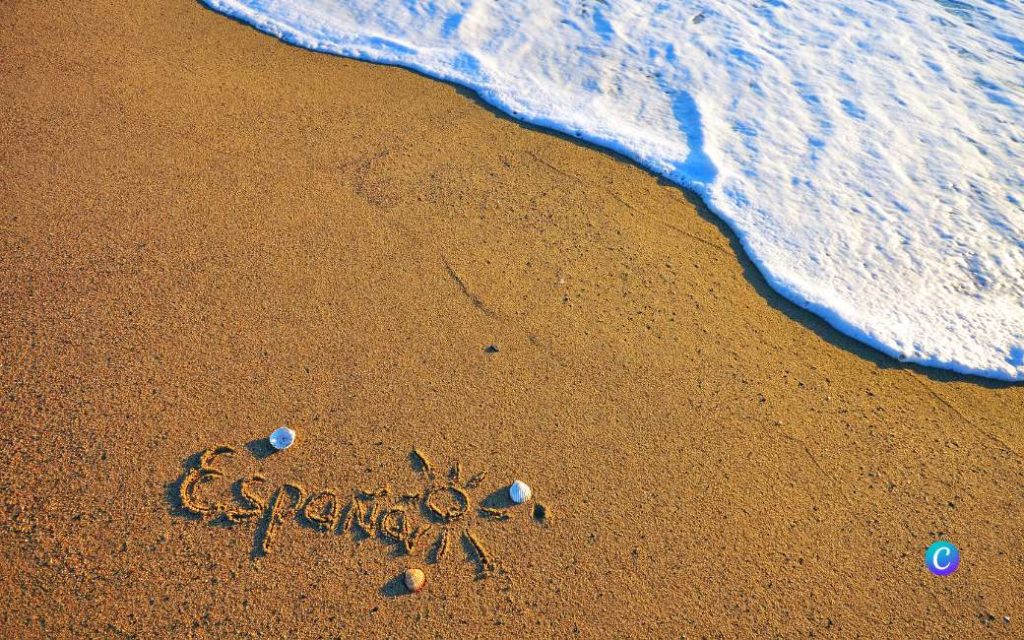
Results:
[282, 438]
[520, 492]
[415, 580]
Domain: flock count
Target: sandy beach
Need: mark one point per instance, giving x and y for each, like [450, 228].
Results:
[206, 234]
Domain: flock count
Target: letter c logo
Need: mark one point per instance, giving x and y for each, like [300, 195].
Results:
[942, 558]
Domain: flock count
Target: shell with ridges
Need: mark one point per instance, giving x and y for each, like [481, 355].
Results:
[520, 492]
[415, 580]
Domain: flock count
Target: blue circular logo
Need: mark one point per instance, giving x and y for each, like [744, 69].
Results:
[942, 558]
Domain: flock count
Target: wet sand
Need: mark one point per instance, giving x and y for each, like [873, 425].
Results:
[206, 234]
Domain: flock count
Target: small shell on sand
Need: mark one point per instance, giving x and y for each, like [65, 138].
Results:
[282, 438]
[415, 580]
[520, 492]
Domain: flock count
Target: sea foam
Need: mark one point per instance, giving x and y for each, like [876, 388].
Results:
[869, 154]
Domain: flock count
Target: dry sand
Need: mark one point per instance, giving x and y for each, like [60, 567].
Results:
[207, 234]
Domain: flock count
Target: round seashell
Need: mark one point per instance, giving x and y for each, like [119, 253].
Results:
[415, 580]
[520, 492]
[282, 438]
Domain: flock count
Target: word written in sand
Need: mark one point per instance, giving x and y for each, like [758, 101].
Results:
[430, 519]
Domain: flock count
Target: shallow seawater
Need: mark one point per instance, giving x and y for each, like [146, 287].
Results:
[869, 154]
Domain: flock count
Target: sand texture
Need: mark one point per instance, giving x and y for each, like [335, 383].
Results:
[206, 234]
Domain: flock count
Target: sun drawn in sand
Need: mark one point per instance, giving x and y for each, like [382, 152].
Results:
[447, 501]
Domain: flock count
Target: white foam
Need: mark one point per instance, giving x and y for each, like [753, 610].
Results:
[869, 154]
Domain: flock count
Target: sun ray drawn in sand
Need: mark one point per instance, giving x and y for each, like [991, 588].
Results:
[447, 500]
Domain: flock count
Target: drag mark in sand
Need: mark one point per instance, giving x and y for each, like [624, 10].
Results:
[442, 509]
[475, 299]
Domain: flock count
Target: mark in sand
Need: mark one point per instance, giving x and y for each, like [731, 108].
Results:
[475, 299]
[442, 510]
